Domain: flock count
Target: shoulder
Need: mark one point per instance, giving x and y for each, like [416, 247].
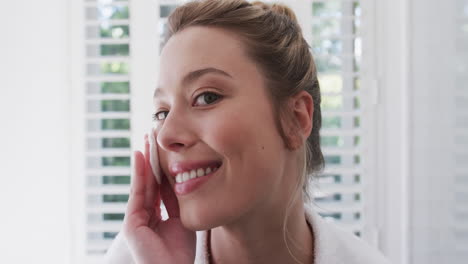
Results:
[335, 246]
[332, 245]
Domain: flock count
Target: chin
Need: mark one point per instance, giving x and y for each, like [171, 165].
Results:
[198, 218]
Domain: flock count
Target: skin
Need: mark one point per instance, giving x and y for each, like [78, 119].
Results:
[245, 202]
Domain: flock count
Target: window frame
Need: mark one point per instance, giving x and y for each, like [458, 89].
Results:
[387, 209]
[392, 42]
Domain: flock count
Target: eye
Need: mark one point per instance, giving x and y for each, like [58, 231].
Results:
[207, 98]
[161, 115]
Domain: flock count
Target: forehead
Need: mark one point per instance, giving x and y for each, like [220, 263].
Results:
[203, 47]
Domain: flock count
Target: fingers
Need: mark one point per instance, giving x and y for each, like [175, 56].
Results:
[153, 156]
[169, 198]
[152, 199]
[143, 207]
[152, 192]
[135, 214]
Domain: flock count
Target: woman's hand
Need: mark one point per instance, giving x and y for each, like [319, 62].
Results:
[149, 239]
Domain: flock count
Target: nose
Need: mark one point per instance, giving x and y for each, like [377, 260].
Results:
[176, 133]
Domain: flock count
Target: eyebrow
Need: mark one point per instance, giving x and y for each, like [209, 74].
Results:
[193, 76]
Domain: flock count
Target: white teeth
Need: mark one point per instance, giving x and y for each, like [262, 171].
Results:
[193, 174]
[179, 178]
[185, 176]
[188, 175]
[200, 172]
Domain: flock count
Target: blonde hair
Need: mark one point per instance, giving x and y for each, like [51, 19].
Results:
[273, 39]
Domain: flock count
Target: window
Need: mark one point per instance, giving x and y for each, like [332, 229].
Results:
[460, 182]
[333, 29]
[117, 81]
[108, 86]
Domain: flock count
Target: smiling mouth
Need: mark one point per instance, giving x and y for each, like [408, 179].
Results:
[188, 185]
[196, 173]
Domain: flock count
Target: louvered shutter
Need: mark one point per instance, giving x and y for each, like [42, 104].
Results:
[334, 32]
[460, 183]
[333, 29]
[459, 218]
[108, 145]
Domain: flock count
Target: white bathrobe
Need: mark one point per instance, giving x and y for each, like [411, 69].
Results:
[332, 246]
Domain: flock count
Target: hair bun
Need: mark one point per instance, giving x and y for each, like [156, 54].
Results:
[280, 9]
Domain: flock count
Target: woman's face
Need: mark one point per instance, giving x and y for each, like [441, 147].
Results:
[214, 111]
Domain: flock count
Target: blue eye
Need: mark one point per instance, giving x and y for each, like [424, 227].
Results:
[207, 98]
[161, 115]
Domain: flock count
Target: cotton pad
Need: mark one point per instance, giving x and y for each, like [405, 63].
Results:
[154, 161]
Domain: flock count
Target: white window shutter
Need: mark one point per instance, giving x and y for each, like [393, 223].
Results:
[107, 86]
[459, 219]
[334, 30]
[116, 107]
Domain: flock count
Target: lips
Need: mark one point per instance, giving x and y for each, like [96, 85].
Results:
[189, 185]
[179, 167]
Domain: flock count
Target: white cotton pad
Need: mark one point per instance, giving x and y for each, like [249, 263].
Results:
[154, 161]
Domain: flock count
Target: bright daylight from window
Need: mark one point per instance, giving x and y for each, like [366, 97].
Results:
[78, 81]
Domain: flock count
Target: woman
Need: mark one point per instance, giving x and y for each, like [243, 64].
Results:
[237, 125]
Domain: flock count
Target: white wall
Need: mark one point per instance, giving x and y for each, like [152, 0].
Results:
[439, 172]
[422, 54]
[34, 145]
[393, 118]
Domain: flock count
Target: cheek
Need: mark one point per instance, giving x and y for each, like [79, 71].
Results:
[232, 132]
[244, 136]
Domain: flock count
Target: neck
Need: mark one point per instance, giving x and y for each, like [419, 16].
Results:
[253, 239]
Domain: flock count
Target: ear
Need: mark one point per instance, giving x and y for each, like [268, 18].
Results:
[302, 110]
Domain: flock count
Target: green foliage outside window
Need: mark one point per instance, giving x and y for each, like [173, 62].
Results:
[357, 140]
[116, 143]
[113, 217]
[115, 50]
[116, 161]
[115, 105]
[115, 32]
[326, 9]
[165, 10]
[115, 198]
[331, 141]
[357, 178]
[357, 159]
[328, 63]
[120, 12]
[115, 87]
[333, 160]
[334, 102]
[337, 178]
[115, 124]
[357, 121]
[115, 68]
[109, 235]
[331, 122]
[116, 180]
[357, 83]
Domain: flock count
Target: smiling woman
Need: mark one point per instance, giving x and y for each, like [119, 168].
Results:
[237, 120]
